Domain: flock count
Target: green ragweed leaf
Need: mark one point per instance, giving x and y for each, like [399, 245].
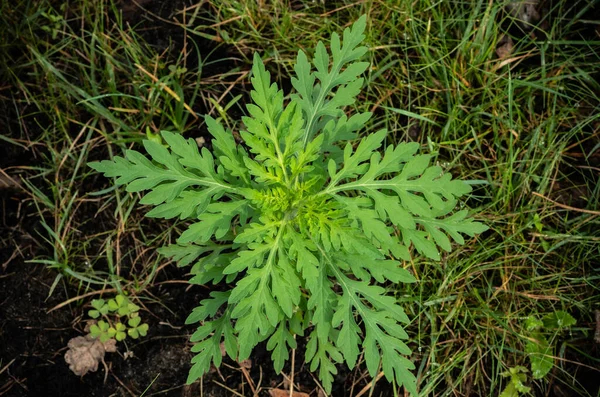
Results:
[381, 317]
[208, 349]
[280, 342]
[322, 94]
[173, 173]
[215, 221]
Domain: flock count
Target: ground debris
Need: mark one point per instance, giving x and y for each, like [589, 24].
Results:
[85, 353]
[525, 11]
[505, 46]
[246, 364]
[8, 183]
[286, 393]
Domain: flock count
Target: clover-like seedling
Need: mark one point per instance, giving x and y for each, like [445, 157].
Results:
[118, 332]
[110, 326]
[122, 306]
[100, 330]
[100, 308]
[136, 328]
[303, 220]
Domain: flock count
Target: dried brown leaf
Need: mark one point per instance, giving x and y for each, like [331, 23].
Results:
[6, 182]
[505, 46]
[85, 353]
[246, 364]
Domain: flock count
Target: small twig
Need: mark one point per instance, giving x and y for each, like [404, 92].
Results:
[318, 383]
[68, 301]
[292, 371]
[215, 25]
[563, 236]
[340, 8]
[249, 379]
[7, 365]
[123, 384]
[258, 386]
[5, 264]
[370, 384]
[233, 84]
[8, 181]
[567, 207]
[169, 325]
[105, 370]
[383, 98]
[228, 389]
[527, 295]
[588, 167]
[516, 59]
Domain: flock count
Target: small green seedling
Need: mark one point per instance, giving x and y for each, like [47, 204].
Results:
[516, 385]
[111, 326]
[539, 349]
[122, 306]
[118, 332]
[136, 328]
[55, 22]
[100, 308]
[100, 330]
[177, 71]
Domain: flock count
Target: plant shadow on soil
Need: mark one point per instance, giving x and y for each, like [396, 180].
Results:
[33, 338]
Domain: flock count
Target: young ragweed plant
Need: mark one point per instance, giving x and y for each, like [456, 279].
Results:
[301, 226]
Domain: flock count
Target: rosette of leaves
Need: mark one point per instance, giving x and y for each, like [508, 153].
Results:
[303, 219]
